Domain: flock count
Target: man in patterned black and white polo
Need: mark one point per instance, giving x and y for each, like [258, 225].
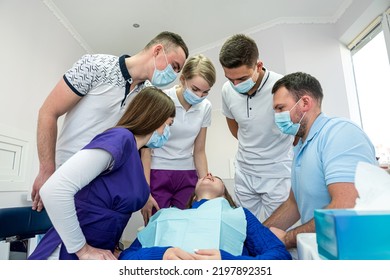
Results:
[94, 94]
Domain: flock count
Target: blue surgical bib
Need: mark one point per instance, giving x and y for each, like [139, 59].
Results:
[213, 225]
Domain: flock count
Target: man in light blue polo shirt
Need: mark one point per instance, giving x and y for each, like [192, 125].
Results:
[325, 157]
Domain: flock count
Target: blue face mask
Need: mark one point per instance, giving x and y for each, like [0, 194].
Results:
[164, 77]
[285, 124]
[157, 140]
[191, 97]
[244, 86]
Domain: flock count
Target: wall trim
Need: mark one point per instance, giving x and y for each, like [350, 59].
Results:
[68, 26]
[16, 160]
[279, 21]
[283, 21]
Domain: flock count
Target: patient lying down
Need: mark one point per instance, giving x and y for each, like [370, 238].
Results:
[213, 228]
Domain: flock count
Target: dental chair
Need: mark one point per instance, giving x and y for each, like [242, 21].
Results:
[18, 228]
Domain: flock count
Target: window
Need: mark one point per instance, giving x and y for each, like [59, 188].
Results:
[370, 59]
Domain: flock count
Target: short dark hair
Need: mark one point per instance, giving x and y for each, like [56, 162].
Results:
[239, 50]
[169, 40]
[299, 84]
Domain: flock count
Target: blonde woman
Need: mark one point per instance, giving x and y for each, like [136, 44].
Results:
[174, 169]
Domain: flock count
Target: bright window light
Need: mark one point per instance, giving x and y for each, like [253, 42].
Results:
[372, 74]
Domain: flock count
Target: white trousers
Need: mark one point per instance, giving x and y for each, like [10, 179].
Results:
[260, 195]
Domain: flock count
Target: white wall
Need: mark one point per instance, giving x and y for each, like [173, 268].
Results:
[35, 51]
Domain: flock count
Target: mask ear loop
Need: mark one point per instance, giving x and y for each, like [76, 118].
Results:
[295, 104]
[302, 117]
[155, 67]
[294, 107]
[166, 59]
[254, 72]
[303, 113]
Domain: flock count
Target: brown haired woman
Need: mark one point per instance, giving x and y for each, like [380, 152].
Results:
[91, 197]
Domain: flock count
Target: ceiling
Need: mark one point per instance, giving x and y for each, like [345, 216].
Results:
[106, 26]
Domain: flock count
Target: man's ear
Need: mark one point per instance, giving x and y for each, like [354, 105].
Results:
[157, 49]
[308, 103]
[259, 65]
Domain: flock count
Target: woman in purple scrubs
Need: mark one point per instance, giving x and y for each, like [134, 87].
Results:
[91, 197]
